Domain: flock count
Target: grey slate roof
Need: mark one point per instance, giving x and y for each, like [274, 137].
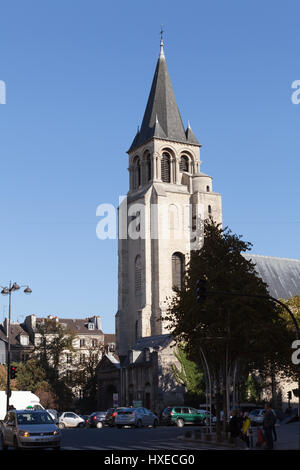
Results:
[162, 118]
[282, 275]
[154, 342]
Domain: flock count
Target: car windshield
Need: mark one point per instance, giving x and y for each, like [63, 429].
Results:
[125, 412]
[34, 418]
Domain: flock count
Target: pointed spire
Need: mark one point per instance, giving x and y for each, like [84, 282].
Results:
[190, 136]
[162, 54]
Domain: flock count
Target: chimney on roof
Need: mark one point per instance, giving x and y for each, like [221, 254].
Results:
[5, 326]
[97, 322]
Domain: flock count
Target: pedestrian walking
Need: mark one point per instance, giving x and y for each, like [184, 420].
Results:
[273, 428]
[234, 427]
[268, 424]
[246, 430]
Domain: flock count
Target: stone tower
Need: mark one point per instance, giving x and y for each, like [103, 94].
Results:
[167, 195]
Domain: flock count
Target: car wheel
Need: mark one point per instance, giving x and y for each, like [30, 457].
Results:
[119, 426]
[99, 425]
[180, 423]
[3, 445]
[81, 425]
[139, 424]
[61, 425]
[155, 423]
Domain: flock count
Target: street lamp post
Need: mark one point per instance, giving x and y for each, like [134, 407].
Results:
[8, 291]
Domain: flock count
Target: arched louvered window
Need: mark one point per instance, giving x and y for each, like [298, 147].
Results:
[138, 274]
[177, 270]
[166, 168]
[148, 168]
[136, 173]
[207, 189]
[184, 163]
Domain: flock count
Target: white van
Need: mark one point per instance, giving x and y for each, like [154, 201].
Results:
[20, 400]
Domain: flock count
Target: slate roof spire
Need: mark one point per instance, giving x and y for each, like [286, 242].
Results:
[162, 118]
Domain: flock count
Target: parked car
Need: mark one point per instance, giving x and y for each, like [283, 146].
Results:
[97, 419]
[111, 415]
[29, 429]
[181, 415]
[135, 417]
[69, 419]
[257, 416]
[86, 419]
[206, 415]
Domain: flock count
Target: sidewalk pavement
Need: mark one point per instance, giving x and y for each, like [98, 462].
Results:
[288, 437]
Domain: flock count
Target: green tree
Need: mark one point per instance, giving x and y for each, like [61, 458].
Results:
[52, 342]
[189, 375]
[29, 375]
[229, 330]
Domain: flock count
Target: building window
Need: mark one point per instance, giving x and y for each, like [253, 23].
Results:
[69, 358]
[138, 274]
[166, 168]
[24, 340]
[136, 173]
[82, 358]
[94, 343]
[184, 163]
[148, 166]
[147, 355]
[207, 189]
[209, 210]
[82, 343]
[177, 270]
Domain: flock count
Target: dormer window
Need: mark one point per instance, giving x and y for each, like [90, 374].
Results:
[147, 355]
[91, 326]
[24, 340]
[184, 163]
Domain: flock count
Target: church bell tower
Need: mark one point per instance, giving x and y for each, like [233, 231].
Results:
[167, 192]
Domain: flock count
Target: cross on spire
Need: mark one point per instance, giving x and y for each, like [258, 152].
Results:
[161, 32]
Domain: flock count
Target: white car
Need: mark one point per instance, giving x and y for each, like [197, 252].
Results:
[135, 417]
[70, 420]
[207, 414]
[257, 416]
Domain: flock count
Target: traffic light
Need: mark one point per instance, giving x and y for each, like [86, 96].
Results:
[13, 372]
[201, 291]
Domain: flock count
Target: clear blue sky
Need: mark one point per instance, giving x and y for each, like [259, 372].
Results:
[78, 74]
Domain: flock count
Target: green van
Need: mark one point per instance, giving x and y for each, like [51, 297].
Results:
[181, 415]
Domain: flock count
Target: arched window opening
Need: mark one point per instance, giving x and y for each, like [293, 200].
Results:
[138, 275]
[207, 189]
[136, 173]
[177, 270]
[166, 168]
[209, 210]
[148, 168]
[184, 163]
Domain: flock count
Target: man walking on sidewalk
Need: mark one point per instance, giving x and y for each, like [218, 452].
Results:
[268, 423]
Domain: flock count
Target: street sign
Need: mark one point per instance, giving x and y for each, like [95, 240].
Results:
[137, 403]
[115, 400]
